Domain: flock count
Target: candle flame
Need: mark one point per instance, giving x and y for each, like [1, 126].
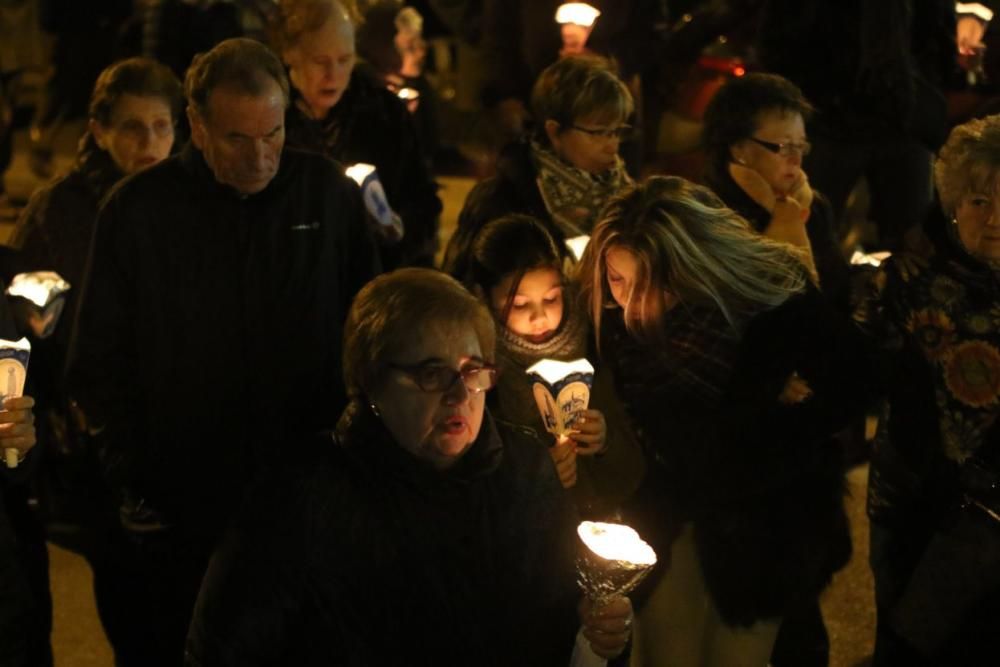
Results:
[577, 13]
[359, 172]
[577, 245]
[407, 94]
[617, 542]
[37, 287]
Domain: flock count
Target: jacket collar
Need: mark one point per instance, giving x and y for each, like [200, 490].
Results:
[193, 162]
[365, 438]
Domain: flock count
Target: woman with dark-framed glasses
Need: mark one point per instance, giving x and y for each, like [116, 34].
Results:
[569, 166]
[755, 139]
[421, 532]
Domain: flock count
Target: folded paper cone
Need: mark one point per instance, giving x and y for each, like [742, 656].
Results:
[10, 457]
[613, 560]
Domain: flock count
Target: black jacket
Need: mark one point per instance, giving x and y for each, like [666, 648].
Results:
[210, 325]
[362, 555]
[762, 482]
[513, 189]
[370, 124]
[833, 269]
[53, 234]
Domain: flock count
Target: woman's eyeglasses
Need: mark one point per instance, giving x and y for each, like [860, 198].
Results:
[620, 132]
[435, 378]
[784, 149]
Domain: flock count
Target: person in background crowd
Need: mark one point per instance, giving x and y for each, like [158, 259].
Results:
[226, 270]
[342, 111]
[735, 372]
[25, 603]
[565, 172]
[932, 489]
[421, 532]
[133, 112]
[523, 276]
[881, 112]
[755, 138]
[390, 40]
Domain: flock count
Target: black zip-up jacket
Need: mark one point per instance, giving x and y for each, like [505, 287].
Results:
[210, 326]
[359, 554]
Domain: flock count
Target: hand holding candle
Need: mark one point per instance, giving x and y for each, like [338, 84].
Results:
[612, 560]
[13, 370]
[17, 429]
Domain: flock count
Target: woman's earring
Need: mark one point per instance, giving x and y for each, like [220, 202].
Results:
[375, 410]
[954, 220]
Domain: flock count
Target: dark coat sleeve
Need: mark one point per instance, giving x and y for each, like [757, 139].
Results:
[102, 366]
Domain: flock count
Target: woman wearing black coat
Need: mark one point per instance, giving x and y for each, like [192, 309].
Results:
[133, 111]
[419, 533]
[735, 373]
[755, 140]
[342, 111]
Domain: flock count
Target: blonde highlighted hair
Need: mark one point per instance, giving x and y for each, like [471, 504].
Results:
[294, 18]
[688, 243]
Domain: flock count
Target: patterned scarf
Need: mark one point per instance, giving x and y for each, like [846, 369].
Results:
[574, 197]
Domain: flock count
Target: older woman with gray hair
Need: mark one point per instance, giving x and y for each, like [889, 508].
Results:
[421, 532]
[932, 493]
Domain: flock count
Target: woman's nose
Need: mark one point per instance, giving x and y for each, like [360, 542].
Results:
[457, 393]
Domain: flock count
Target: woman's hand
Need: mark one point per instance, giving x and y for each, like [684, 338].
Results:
[563, 455]
[590, 433]
[608, 626]
[796, 390]
[17, 425]
[802, 193]
[754, 185]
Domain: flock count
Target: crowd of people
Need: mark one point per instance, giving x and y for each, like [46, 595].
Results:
[288, 437]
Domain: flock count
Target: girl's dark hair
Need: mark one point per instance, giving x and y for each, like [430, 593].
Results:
[511, 245]
[142, 77]
[732, 114]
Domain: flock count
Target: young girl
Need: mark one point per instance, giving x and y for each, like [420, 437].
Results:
[517, 268]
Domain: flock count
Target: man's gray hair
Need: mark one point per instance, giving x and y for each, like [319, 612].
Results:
[240, 63]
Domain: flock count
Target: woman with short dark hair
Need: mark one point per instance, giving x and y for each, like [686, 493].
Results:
[755, 139]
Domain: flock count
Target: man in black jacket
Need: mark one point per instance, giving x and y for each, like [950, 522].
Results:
[209, 329]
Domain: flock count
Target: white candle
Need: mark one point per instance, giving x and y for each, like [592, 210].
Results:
[577, 13]
[616, 542]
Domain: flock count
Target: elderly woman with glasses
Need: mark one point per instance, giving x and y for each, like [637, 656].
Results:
[421, 532]
[568, 168]
[755, 139]
[934, 482]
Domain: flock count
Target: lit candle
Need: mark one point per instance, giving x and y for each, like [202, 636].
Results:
[577, 245]
[561, 390]
[576, 20]
[45, 292]
[617, 542]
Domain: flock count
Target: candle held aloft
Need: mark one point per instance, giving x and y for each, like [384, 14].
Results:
[577, 13]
